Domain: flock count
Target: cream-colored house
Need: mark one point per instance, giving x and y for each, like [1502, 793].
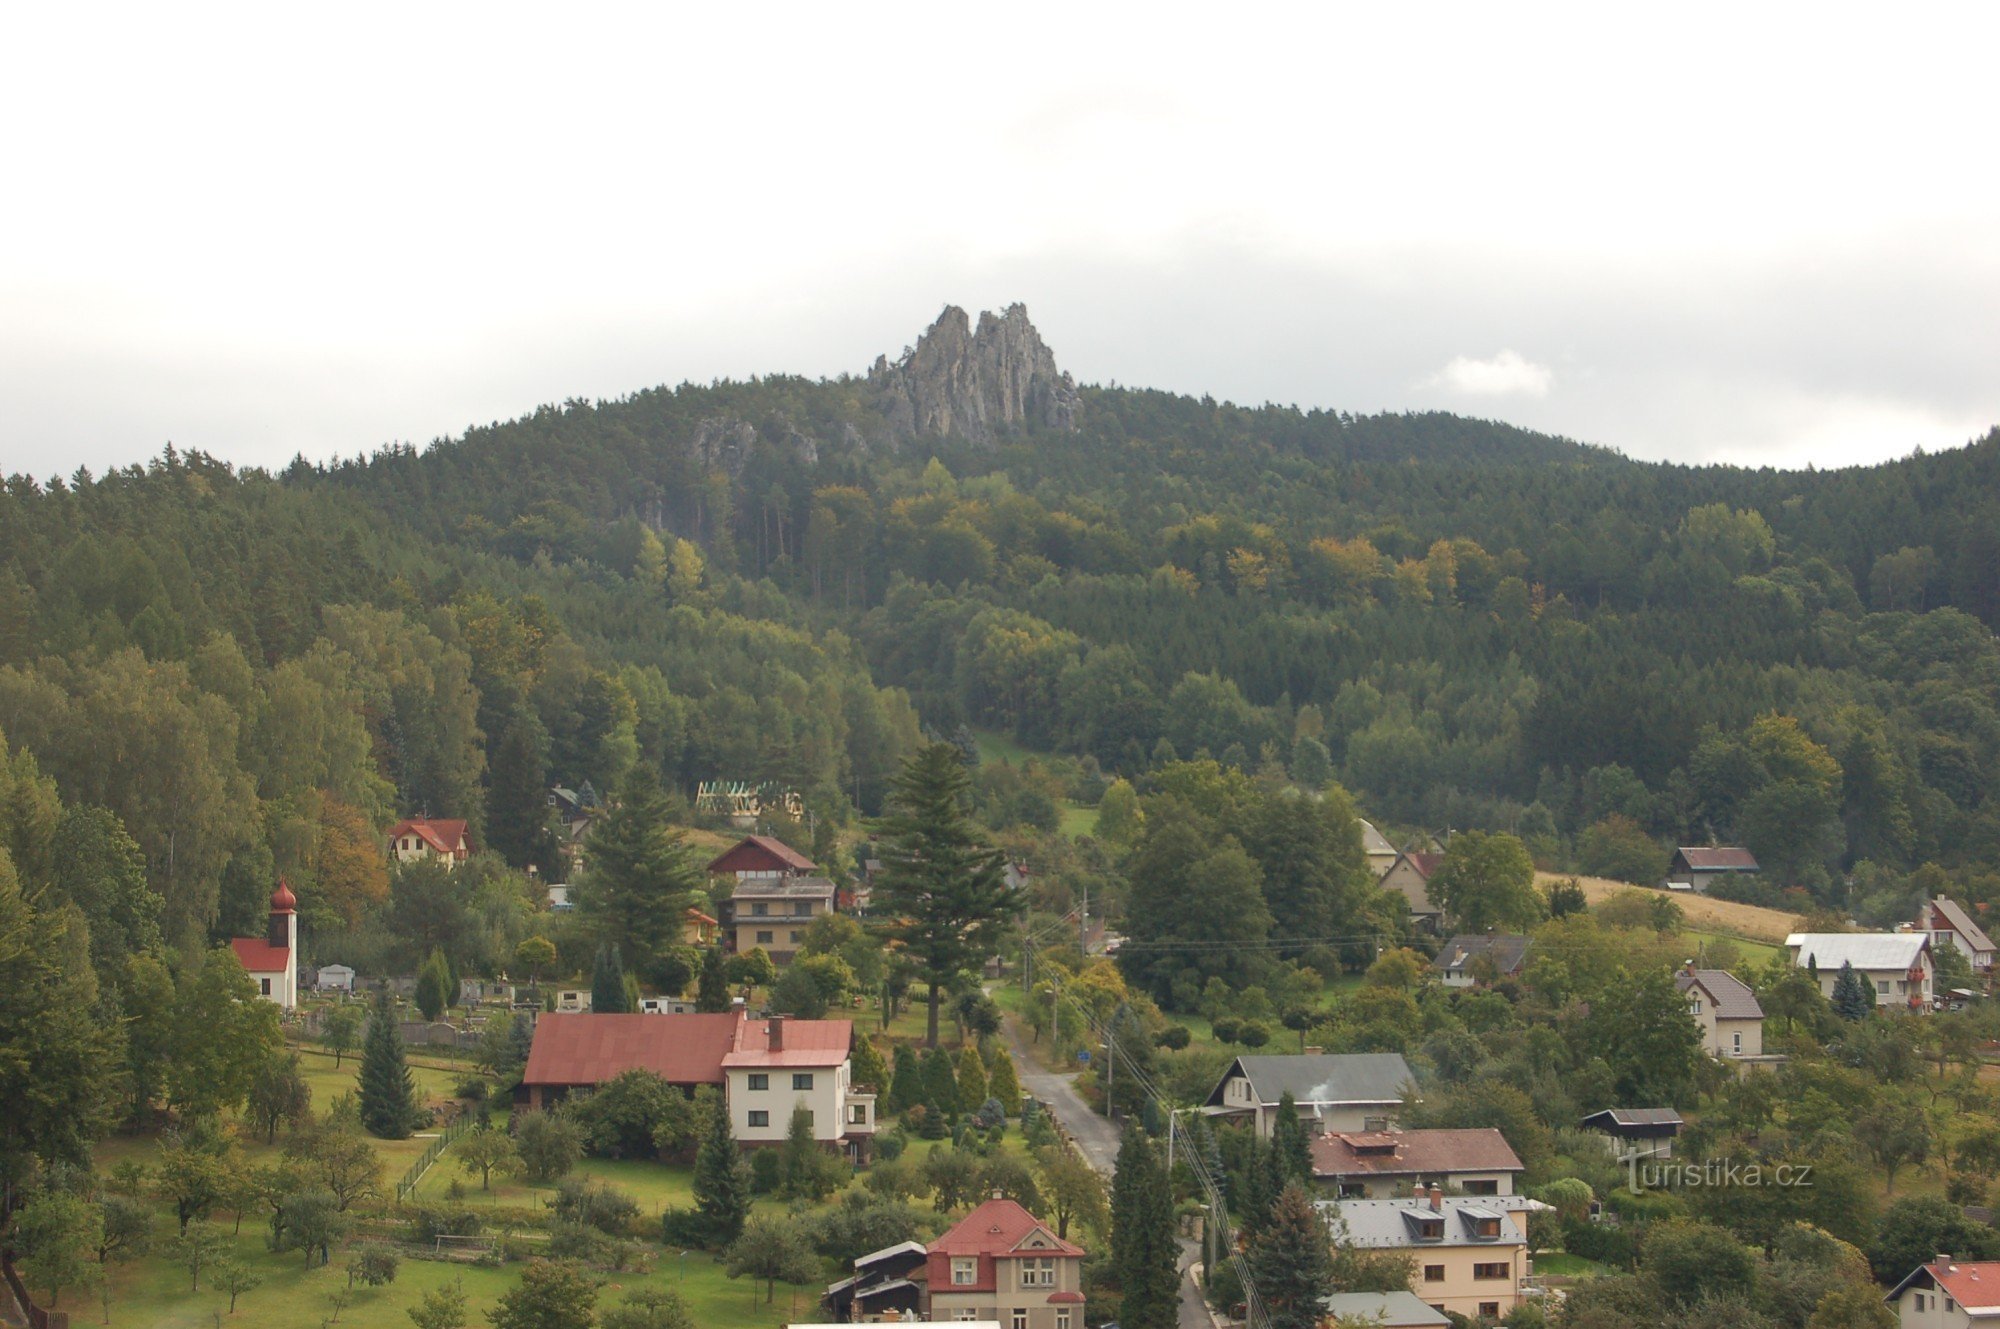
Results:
[1732, 1023]
[1002, 1263]
[778, 1066]
[1896, 965]
[1949, 1294]
[1409, 876]
[1375, 847]
[1469, 1254]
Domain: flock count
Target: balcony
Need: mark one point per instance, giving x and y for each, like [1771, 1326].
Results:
[857, 1112]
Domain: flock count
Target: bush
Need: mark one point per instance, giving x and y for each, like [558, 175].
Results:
[1175, 1036]
[375, 1266]
[594, 1204]
[474, 1087]
[990, 1114]
[1253, 1034]
[1226, 1028]
[890, 1145]
[766, 1170]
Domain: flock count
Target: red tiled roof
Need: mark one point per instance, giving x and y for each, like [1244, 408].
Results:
[806, 1043]
[1974, 1285]
[997, 1227]
[761, 853]
[1065, 1298]
[445, 835]
[1718, 860]
[575, 1049]
[1426, 864]
[1393, 1153]
[260, 956]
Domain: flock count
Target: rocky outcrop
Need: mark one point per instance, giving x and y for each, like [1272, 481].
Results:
[975, 383]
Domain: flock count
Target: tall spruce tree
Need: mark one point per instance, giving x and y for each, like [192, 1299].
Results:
[1145, 1260]
[941, 887]
[711, 994]
[906, 1085]
[1292, 1262]
[641, 879]
[721, 1175]
[1291, 1153]
[1851, 998]
[388, 1099]
[941, 1083]
[607, 983]
[518, 822]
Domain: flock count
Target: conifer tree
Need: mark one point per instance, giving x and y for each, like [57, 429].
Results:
[971, 1078]
[1003, 1084]
[868, 1066]
[1145, 1260]
[388, 1099]
[641, 879]
[941, 886]
[906, 1086]
[1291, 1154]
[432, 980]
[711, 994]
[721, 1175]
[1851, 998]
[940, 1083]
[1292, 1261]
[607, 984]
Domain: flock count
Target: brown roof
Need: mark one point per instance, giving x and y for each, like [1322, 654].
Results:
[997, 1227]
[1717, 860]
[445, 835]
[591, 1049]
[761, 853]
[1426, 864]
[1394, 1153]
[1732, 997]
[805, 1043]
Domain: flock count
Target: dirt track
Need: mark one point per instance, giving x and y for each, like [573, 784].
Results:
[1745, 920]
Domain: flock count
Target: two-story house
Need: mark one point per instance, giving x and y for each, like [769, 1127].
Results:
[427, 839]
[1948, 923]
[1948, 1294]
[1409, 876]
[1469, 1255]
[1895, 965]
[1358, 1091]
[1378, 1165]
[1731, 1020]
[1465, 962]
[1001, 1263]
[774, 899]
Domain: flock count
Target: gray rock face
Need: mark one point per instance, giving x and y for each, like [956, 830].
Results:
[975, 383]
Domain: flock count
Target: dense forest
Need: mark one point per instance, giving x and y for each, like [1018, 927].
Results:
[1465, 624]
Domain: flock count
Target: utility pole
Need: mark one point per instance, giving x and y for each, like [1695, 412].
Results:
[1083, 926]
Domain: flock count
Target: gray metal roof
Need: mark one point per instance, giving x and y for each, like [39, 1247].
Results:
[1863, 950]
[1961, 923]
[1324, 1078]
[1732, 996]
[1635, 1116]
[1394, 1223]
[1392, 1310]
[1507, 952]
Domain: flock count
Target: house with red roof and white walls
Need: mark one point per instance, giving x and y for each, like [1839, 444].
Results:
[1001, 1263]
[1949, 924]
[272, 960]
[765, 1068]
[1948, 1294]
[422, 839]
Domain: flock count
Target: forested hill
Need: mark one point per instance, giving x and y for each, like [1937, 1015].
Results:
[1466, 623]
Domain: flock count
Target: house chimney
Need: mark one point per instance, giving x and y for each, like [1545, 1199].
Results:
[776, 1026]
[1437, 1199]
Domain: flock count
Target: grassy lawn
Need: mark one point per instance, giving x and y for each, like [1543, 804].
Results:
[1753, 952]
[1078, 821]
[1557, 1264]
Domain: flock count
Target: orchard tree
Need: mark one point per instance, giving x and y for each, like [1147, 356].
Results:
[552, 1294]
[339, 1026]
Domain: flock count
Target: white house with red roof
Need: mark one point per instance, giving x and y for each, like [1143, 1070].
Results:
[1949, 924]
[272, 960]
[419, 839]
[1002, 1263]
[1948, 1294]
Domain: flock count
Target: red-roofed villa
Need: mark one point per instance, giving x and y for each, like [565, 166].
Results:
[415, 839]
[1002, 1263]
[1949, 1294]
[272, 960]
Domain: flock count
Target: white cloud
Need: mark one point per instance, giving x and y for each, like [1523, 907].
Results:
[1508, 374]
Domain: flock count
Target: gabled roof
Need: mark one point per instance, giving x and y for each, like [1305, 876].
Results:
[260, 956]
[1425, 864]
[1507, 952]
[1961, 923]
[1396, 1223]
[999, 1227]
[1699, 859]
[1403, 1153]
[1863, 950]
[1729, 995]
[1352, 1077]
[803, 1043]
[445, 835]
[1373, 842]
[580, 1049]
[1401, 1309]
[1973, 1284]
[1628, 1118]
[760, 853]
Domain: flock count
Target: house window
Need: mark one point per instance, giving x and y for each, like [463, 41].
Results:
[802, 908]
[765, 938]
[759, 1117]
[1489, 1310]
[1882, 986]
[802, 1080]
[1694, 1005]
[1062, 1317]
[1736, 1042]
[759, 909]
[1434, 1273]
[1491, 1270]
[857, 1114]
[1039, 1272]
[1353, 1190]
[964, 1271]
[1475, 1187]
[264, 985]
[1020, 1318]
[759, 1080]
[797, 936]
[1374, 1123]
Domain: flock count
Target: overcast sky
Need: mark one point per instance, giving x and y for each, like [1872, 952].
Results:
[1761, 234]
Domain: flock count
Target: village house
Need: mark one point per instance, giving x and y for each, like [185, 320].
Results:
[1465, 962]
[1946, 921]
[425, 839]
[1469, 1255]
[1636, 1132]
[1731, 1020]
[775, 898]
[1378, 1165]
[272, 960]
[1693, 868]
[1895, 965]
[1948, 1294]
[765, 1068]
[1360, 1091]
[887, 1282]
[1410, 877]
[1001, 1263]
